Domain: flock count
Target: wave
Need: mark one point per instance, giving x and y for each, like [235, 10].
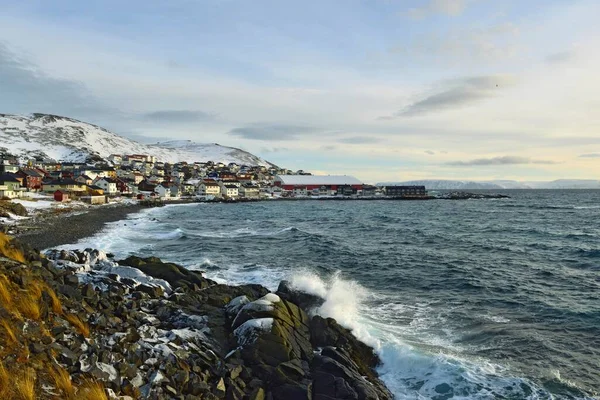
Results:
[242, 232]
[409, 372]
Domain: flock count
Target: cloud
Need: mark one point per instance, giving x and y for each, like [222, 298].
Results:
[274, 149]
[560, 57]
[359, 140]
[25, 89]
[430, 152]
[504, 160]
[328, 148]
[460, 92]
[590, 155]
[178, 116]
[445, 7]
[263, 131]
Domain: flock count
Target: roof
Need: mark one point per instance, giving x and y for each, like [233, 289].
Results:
[8, 178]
[31, 172]
[231, 186]
[65, 181]
[302, 180]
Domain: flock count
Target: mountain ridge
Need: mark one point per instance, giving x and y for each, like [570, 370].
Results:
[447, 184]
[70, 140]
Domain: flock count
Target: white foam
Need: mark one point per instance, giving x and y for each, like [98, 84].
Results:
[409, 372]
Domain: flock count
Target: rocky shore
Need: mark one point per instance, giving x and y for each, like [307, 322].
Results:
[46, 230]
[79, 322]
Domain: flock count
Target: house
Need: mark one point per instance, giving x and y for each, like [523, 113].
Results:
[67, 184]
[123, 186]
[115, 159]
[369, 190]
[405, 191]
[10, 187]
[84, 179]
[209, 188]
[62, 195]
[188, 188]
[94, 190]
[249, 191]
[93, 199]
[32, 179]
[145, 186]
[163, 191]
[7, 167]
[109, 185]
[229, 190]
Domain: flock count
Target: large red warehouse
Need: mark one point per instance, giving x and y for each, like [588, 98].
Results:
[310, 182]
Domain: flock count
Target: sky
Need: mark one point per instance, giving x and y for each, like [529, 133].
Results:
[385, 90]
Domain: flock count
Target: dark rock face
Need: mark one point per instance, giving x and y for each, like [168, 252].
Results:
[279, 340]
[176, 275]
[193, 338]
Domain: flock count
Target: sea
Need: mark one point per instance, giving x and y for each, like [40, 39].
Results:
[461, 299]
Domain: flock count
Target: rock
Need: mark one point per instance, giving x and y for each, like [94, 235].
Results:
[220, 389]
[176, 275]
[257, 394]
[305, 301]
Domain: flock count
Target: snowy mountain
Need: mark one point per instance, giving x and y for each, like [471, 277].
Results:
[66, 139]
[501, 184]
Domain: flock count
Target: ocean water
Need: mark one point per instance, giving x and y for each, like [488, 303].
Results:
[477, 299]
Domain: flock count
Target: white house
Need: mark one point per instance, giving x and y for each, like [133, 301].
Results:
[209, 188]
[109, 185]
[229, 190]
[163, 191]
[249, 191]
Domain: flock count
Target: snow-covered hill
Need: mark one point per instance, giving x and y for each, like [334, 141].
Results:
[66, 139]
[431, 184]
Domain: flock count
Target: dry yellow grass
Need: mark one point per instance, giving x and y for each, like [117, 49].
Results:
[24, 384]
[29, 306]
[35, 289]
[91, 390]
[11, 338]
[4, 381]
[62, 382]
[80, 326]
[5, 295]
[55, 301]
[8, 251]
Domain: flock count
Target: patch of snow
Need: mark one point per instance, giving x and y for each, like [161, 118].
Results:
[249, 331]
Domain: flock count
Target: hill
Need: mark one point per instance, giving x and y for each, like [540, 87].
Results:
[67, 139]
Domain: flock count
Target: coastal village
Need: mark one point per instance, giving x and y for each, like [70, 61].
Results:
[145, 178]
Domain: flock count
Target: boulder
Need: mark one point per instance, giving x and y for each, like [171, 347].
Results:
[176, 275]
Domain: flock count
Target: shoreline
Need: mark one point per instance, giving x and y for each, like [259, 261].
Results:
[45, 230]
[56, 230]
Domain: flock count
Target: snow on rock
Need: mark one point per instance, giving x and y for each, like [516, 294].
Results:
[67, 139]
[93, 266]
[249, 331]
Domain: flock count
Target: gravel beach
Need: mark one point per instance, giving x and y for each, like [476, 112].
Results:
[52, 231]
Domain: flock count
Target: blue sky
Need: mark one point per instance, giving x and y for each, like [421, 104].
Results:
[381, 89]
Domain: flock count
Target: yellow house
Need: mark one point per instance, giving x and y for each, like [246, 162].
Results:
[94, 190]
[64, 184]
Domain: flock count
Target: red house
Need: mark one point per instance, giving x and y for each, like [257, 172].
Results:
[32, 179]
[62, 196]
